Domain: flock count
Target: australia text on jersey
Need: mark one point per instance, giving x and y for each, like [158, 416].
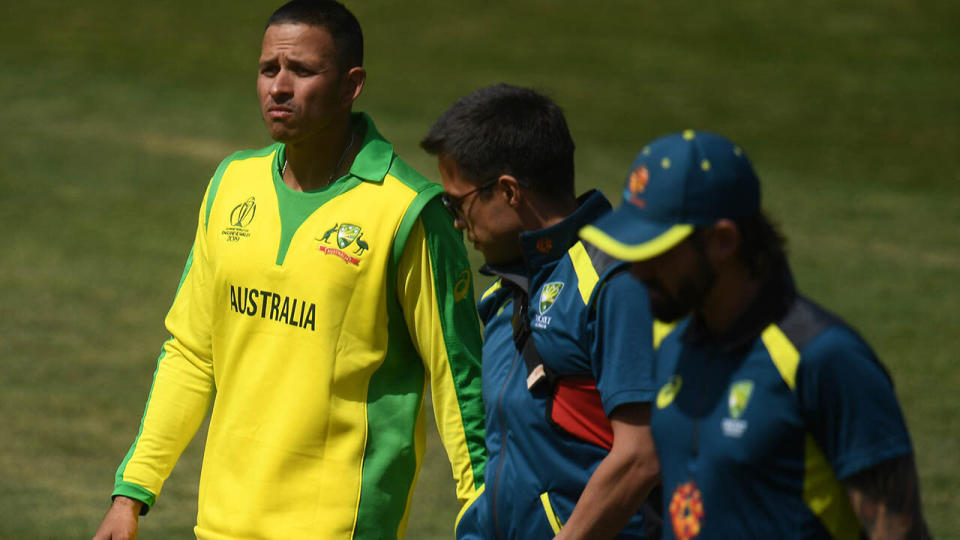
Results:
[270, 305]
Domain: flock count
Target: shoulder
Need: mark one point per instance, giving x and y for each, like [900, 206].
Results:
[596, 271]
[267, 152]
[492, 300]
[824, 340]
[400, 171]
[834, 366]
[244, 166]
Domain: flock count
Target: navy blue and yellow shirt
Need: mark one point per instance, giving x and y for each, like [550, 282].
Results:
[591, 326]
[755, 430]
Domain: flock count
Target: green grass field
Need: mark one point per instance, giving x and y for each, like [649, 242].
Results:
[116, 114]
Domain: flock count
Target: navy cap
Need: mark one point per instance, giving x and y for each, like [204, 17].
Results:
[675, 184]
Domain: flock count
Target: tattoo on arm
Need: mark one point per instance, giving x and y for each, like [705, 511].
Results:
[886, 498]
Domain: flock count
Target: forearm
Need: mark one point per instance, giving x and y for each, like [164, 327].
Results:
[615, 492]
[886, 499]
[622, 480]
[177, 403]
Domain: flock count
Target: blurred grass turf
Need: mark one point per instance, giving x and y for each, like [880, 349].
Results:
[115, 115]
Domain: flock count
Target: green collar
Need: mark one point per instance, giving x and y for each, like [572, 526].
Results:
[376, 153]
[372, 161]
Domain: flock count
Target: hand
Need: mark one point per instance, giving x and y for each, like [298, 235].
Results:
[121, 520]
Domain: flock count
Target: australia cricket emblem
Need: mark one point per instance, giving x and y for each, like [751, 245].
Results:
[549, 294]
[735, 426]
[346, 234]
[739, 396]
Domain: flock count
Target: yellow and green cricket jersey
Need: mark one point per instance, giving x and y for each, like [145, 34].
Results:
[314, 323]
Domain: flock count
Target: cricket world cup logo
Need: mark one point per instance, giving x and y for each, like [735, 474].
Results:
[243, 213]
[240, 218]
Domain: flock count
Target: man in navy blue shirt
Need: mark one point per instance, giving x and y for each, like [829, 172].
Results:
[567, 355]
[774, 419]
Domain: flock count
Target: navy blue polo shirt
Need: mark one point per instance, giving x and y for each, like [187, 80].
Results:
[591, 323]
[755, 430]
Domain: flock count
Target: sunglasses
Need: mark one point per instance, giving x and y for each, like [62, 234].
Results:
[454, 205]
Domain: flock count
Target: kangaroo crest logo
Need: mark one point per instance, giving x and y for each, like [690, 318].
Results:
[549, 294]
[739, 396]
[346, 234]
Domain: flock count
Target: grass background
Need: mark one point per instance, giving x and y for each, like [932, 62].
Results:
[116, 114]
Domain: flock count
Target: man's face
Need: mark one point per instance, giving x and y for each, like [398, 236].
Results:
[677, 281]
[299, 81]
[492, 225]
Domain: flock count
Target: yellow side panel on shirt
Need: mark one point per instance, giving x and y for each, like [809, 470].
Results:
[822, 492]
[294, 348]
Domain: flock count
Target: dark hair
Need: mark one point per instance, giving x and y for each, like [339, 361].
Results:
[762, 247]
[335, 18]
[504, 129]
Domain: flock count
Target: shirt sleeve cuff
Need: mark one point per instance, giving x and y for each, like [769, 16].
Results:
[627, 396]
[135, 492]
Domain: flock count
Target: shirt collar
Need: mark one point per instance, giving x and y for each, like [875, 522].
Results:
[545, 245]
[770, 304]
[372, 161]
[376, 153]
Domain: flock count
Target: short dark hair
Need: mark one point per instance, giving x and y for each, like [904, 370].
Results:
[332, 16]
[504, 129]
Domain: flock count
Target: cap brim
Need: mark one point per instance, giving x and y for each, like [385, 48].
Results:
[625, 236]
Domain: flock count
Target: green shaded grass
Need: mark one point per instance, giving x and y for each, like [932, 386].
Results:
[116, 115]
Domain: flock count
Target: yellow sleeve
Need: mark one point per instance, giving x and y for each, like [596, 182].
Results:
[183, 384]
[436, 294]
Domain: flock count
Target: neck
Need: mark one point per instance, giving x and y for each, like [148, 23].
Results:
[540, 213]
[315, 163]
[728, 299]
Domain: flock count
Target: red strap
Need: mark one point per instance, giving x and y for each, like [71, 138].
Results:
[577, 408]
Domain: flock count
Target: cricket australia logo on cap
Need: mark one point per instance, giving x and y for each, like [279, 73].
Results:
[548, 296]
[346, 234]
[240, 218]
[734, 426]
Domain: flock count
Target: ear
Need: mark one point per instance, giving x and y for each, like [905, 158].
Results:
[510, 187]
[722, 241]
[352, 85]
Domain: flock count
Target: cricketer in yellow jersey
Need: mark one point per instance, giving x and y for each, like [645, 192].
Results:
[325, 292]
